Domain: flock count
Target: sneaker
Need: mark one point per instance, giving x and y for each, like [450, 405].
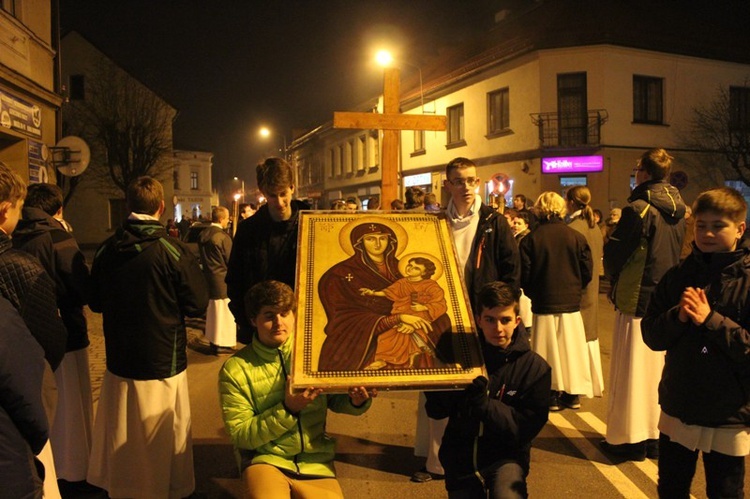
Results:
[570, 401]
[630, 452]
[423, 476]
[554, 402]
[652, 448]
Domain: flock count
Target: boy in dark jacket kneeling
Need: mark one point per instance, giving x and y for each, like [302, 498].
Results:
[496, 419]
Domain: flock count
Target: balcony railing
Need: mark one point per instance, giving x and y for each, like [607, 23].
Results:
[556, 130]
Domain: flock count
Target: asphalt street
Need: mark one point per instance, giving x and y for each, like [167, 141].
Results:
[375, 451]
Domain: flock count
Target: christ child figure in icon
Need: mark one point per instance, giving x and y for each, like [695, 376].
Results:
[403, 346]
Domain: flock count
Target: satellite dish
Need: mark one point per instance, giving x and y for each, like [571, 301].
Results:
[71, 156]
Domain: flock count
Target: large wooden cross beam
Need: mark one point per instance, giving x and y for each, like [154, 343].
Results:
[391, 122]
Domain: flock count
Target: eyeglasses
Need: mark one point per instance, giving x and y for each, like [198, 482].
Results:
[468, 181]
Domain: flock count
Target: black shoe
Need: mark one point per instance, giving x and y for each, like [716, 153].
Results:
[630, 452]
[652, 448]
[554, 402]
[217, 350]
[423, 476]
[570, 401]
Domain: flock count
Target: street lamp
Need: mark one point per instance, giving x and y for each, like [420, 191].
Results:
[236, 212]
[242, 187]
[385, 59]
[266, 133]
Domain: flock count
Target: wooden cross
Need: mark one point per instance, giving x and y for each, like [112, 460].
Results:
[391, 122]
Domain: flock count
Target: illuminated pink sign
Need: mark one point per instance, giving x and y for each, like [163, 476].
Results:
[573, 164]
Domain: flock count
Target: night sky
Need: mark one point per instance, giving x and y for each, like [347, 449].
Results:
[231, 66]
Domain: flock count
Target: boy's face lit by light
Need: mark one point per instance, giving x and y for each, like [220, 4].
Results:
[715, 233]
[274, 326]
[497, 325]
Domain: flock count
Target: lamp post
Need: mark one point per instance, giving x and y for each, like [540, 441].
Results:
[265, 132]
[242, 187]
[235, 213]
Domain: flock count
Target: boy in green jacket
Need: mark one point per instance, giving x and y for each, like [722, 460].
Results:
[284, 450]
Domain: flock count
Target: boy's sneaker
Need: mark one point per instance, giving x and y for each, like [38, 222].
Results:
[554, 402]
[423, 476]
[570, 401]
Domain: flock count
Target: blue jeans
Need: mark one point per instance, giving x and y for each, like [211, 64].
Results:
[507, 482]
[725, 475]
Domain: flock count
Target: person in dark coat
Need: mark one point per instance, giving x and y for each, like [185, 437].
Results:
[144, 283]
[556, 267]
[698, 314]
[23, 422]
[214, 247]
[486, 252]
[487, 443]
[41, 235]
[265, 245]
[644, 245]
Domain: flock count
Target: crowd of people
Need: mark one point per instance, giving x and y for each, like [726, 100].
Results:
[532, 274]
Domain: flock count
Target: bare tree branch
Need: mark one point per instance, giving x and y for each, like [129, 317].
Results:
[128, 127]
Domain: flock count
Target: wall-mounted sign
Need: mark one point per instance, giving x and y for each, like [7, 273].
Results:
[420, 179]
[573, 164]
[20, 115]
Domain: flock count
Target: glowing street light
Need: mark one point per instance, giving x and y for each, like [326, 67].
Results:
[384, 58]
[242, 191]
[265, 132]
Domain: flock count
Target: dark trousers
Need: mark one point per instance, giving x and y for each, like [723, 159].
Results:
[725, 475]
[507, 482]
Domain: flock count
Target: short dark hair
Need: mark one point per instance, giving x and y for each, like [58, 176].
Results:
[498, 294]
[269, 294]
[144, 195]
[46, 197]
[724, 201]
[397, 204]
[414, 197]
[241, 207]
[656, 162]
[373, 203]
[12, 186]
[273, 175]
[458, 163]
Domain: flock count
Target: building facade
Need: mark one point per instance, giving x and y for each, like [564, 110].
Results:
[544, 109]
[193, 194]
[97, 206]
[29, 93]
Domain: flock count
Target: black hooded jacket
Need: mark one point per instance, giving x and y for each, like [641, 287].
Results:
[41, 235]
[519, 386]
[706, 377]
[645, 244]
[145, 283]
[263, 249]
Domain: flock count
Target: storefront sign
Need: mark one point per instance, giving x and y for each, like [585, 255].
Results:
[37, 168]
[20, 116]
[573, 164]
[421, 179]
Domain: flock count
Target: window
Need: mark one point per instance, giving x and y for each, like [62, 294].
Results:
[339, 160]
[648, 100]
[572, 109]
[117, 212]
[456, 126]
[194, 181]
[418, 142]
[739, 108]
[10, 6]
[498, 111]
[373, 149]
[351, 157]
[77, 90]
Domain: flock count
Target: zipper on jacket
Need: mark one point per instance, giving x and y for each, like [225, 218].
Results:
[299, 415]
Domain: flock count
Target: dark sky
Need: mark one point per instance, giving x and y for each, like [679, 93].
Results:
[230, 66]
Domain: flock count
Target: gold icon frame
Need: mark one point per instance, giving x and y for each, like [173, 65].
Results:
[333, 262]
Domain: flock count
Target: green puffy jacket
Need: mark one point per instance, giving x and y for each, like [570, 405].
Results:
[251, 386]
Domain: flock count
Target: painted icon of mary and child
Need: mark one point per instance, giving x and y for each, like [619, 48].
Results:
[380, 315]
